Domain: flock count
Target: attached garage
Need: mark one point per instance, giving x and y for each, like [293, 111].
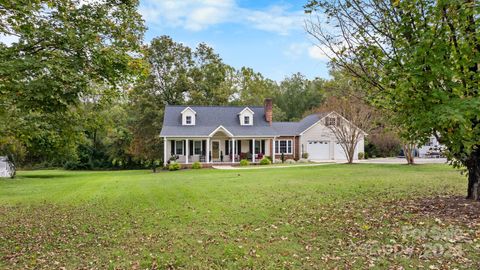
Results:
[319, 142]
[340, 153]
[318, 150]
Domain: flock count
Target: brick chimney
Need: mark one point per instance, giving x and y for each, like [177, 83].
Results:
[268, 104]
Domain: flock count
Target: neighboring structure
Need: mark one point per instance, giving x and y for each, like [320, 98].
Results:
[6, 167]
[227, 134]
[431, 149]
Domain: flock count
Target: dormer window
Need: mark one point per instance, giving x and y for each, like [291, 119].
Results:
[246, 117]
[246, 120]
[188, 117]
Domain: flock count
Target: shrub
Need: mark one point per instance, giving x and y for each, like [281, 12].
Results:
[283, 157]
[174, 166]
[303, 160]
[196, 165]
[265, 161]
[244, 162]
[361, 155]
[305, 155]
[290, 161]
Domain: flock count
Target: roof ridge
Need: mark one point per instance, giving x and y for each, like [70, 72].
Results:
[210, 106]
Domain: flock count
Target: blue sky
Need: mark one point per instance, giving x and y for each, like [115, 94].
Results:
[265, 35]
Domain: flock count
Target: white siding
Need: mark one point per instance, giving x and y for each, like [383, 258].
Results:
[188, 112]
[242, 115]
[319, 132]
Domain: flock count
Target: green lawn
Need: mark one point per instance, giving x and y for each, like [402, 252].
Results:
[350, 216]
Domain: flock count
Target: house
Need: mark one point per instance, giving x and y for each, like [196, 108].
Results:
[227, 134]
[433, 148]
[6, 167]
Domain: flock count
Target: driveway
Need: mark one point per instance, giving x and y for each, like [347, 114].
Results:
[394, 161]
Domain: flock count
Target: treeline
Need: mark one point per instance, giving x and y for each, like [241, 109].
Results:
[122, 130]
[80, 92]
[119, 128]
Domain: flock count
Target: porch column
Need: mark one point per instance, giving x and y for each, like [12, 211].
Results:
[273, 150]
[187, 151]
[164, 151]
[207, 154]
[232, 149]
[253, 150]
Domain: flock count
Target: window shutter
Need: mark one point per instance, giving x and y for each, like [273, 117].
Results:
[338, 121]
[263, 147]
[239, 147]
[204, 147]
[172, 147]
[227, 148]
[184, 147]
[250, 143]
[190, 148]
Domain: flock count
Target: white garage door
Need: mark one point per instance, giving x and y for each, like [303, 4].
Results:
[318, 150]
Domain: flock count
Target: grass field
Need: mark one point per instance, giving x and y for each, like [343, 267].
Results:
[322, 217]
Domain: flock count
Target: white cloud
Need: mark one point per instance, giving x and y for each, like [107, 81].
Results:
[319, 53]
[196, 15]
[296, 50]
[277, 19]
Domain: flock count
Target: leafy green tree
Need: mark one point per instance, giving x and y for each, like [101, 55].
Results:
[297, 95]
[62, 48]
[253, 87]
[421, 59]
[146, 107]
[170, 64]
[210, 82]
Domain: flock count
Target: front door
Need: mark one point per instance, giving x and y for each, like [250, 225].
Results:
[215, 150]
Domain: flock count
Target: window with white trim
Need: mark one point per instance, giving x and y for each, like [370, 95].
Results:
[197, 147]
[246, 120]
[179, 148]
[283, 146]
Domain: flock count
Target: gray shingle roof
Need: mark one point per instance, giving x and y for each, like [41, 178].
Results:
[209, 118]
[309, 120]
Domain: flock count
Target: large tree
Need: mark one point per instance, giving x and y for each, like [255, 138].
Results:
[422, 59]
[253, 87]
[298, 94]
[61, 48]
[211, 78]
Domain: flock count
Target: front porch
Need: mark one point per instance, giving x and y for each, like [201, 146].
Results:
[217, 149]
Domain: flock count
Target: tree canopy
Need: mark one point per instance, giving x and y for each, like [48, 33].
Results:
[421, 59]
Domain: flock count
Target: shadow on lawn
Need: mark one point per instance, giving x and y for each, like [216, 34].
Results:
[43, 176]
[454, 208]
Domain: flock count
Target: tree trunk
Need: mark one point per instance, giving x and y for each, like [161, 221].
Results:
[473, 167]
[351, 154]
[408, 152]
